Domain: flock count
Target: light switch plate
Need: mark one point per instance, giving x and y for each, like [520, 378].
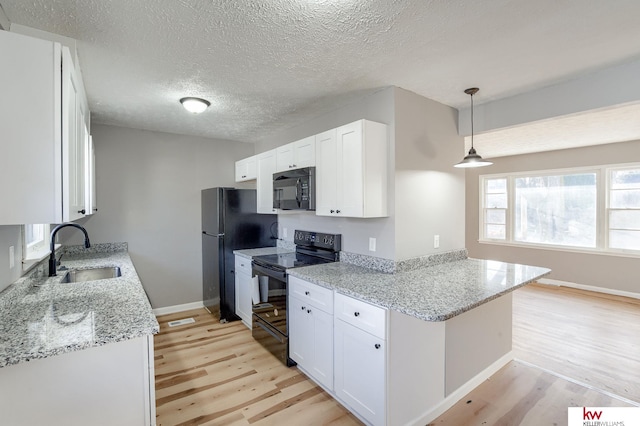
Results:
[12, 257]
[372, 244]
[436, 241]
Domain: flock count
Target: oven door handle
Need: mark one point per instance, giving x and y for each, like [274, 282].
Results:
[265, 328]
[270, 272]
[298, 200]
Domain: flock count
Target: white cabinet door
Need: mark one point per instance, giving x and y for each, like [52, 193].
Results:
[311, 340]
[304, 152]
[296, 155]
[264, 187]
[351, 170]
[284, 157]
[73, 141]
[243, 297]
[244, 287]
[246, 169]
[30, 130]
[326, 173]
[360, 362]
[300, 329]
[322, 366]
[91, 199]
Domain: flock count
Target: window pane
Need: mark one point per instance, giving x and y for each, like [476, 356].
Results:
[625, 179]
[497, 216]
[496, 185]
[558, 210]
[625, 199]
[629, 240]
[495, 232]
[498, 201]
[34, 234]
[624, 219]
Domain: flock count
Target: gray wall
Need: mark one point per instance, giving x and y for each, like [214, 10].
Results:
[378, 107]
[148, 187]
[429, 191]
[600, 270]
[10, 235]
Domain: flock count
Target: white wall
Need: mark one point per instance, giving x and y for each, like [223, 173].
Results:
[598, 270]
[429, 191]
[148, 187]
[10, 235]
[379, 107]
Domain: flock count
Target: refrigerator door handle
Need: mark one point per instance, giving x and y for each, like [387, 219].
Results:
[213, 235]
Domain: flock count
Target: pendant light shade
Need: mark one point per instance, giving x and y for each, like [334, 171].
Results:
[473, 159]
[195, 105]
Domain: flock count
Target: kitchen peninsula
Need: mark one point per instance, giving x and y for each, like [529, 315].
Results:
[407, 345]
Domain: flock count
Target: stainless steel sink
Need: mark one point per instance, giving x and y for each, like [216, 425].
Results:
[93, 274]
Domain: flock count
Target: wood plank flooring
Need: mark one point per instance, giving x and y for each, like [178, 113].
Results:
[209, 373]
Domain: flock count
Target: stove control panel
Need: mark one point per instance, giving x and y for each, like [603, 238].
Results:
[317, 239]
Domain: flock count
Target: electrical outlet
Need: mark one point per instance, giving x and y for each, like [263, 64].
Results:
[372, 244]
[12, 257]
[436, 241]
[285, 233]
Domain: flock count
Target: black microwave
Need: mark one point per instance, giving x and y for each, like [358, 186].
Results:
[295, 189]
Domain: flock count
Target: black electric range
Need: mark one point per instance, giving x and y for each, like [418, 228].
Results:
[270, 316]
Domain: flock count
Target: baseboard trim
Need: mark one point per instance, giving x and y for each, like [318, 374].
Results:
[177, 308]
[459, 393]
[604, 290]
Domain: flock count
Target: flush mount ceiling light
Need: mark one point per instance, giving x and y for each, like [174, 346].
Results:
[472, 159]
[195, 105]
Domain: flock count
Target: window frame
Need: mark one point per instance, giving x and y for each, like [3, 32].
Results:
[35, 252]
[603, 184]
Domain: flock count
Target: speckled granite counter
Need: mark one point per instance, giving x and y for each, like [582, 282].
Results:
[249, 253]
[436, 293]
[41, 317]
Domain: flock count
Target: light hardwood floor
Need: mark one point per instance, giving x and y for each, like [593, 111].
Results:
[209, 373]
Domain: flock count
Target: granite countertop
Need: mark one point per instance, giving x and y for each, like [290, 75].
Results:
[41, 317]
[249, 253]
[434, 293]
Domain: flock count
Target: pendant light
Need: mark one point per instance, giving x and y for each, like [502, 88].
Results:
[472, 159]
[195, 105]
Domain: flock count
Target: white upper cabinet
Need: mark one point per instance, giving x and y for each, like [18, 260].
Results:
[74, 141]
[296, 155]
[266, 164]
[91, 201]
[352, 170]
[31, 130]
[246, 169]
[43, 116]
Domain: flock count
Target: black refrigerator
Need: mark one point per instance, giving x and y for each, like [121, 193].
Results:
[229, 222]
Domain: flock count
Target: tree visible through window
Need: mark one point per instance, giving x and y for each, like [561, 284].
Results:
[559, 210]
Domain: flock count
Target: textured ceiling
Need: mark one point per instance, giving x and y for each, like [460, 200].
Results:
[269, 64]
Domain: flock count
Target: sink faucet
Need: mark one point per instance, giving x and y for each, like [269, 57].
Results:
[52, 256]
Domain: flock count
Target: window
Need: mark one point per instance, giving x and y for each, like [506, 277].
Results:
[558, 209]
[495, 209]
[36, 240]
[588, 209]
[624, 209]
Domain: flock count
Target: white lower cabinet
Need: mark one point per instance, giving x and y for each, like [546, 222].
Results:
[311, 331]
[244, 286]
[360, 361]
[111, 384]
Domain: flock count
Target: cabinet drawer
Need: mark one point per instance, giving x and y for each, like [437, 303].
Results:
[320, 297]
[243, 265]
[365, 316]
